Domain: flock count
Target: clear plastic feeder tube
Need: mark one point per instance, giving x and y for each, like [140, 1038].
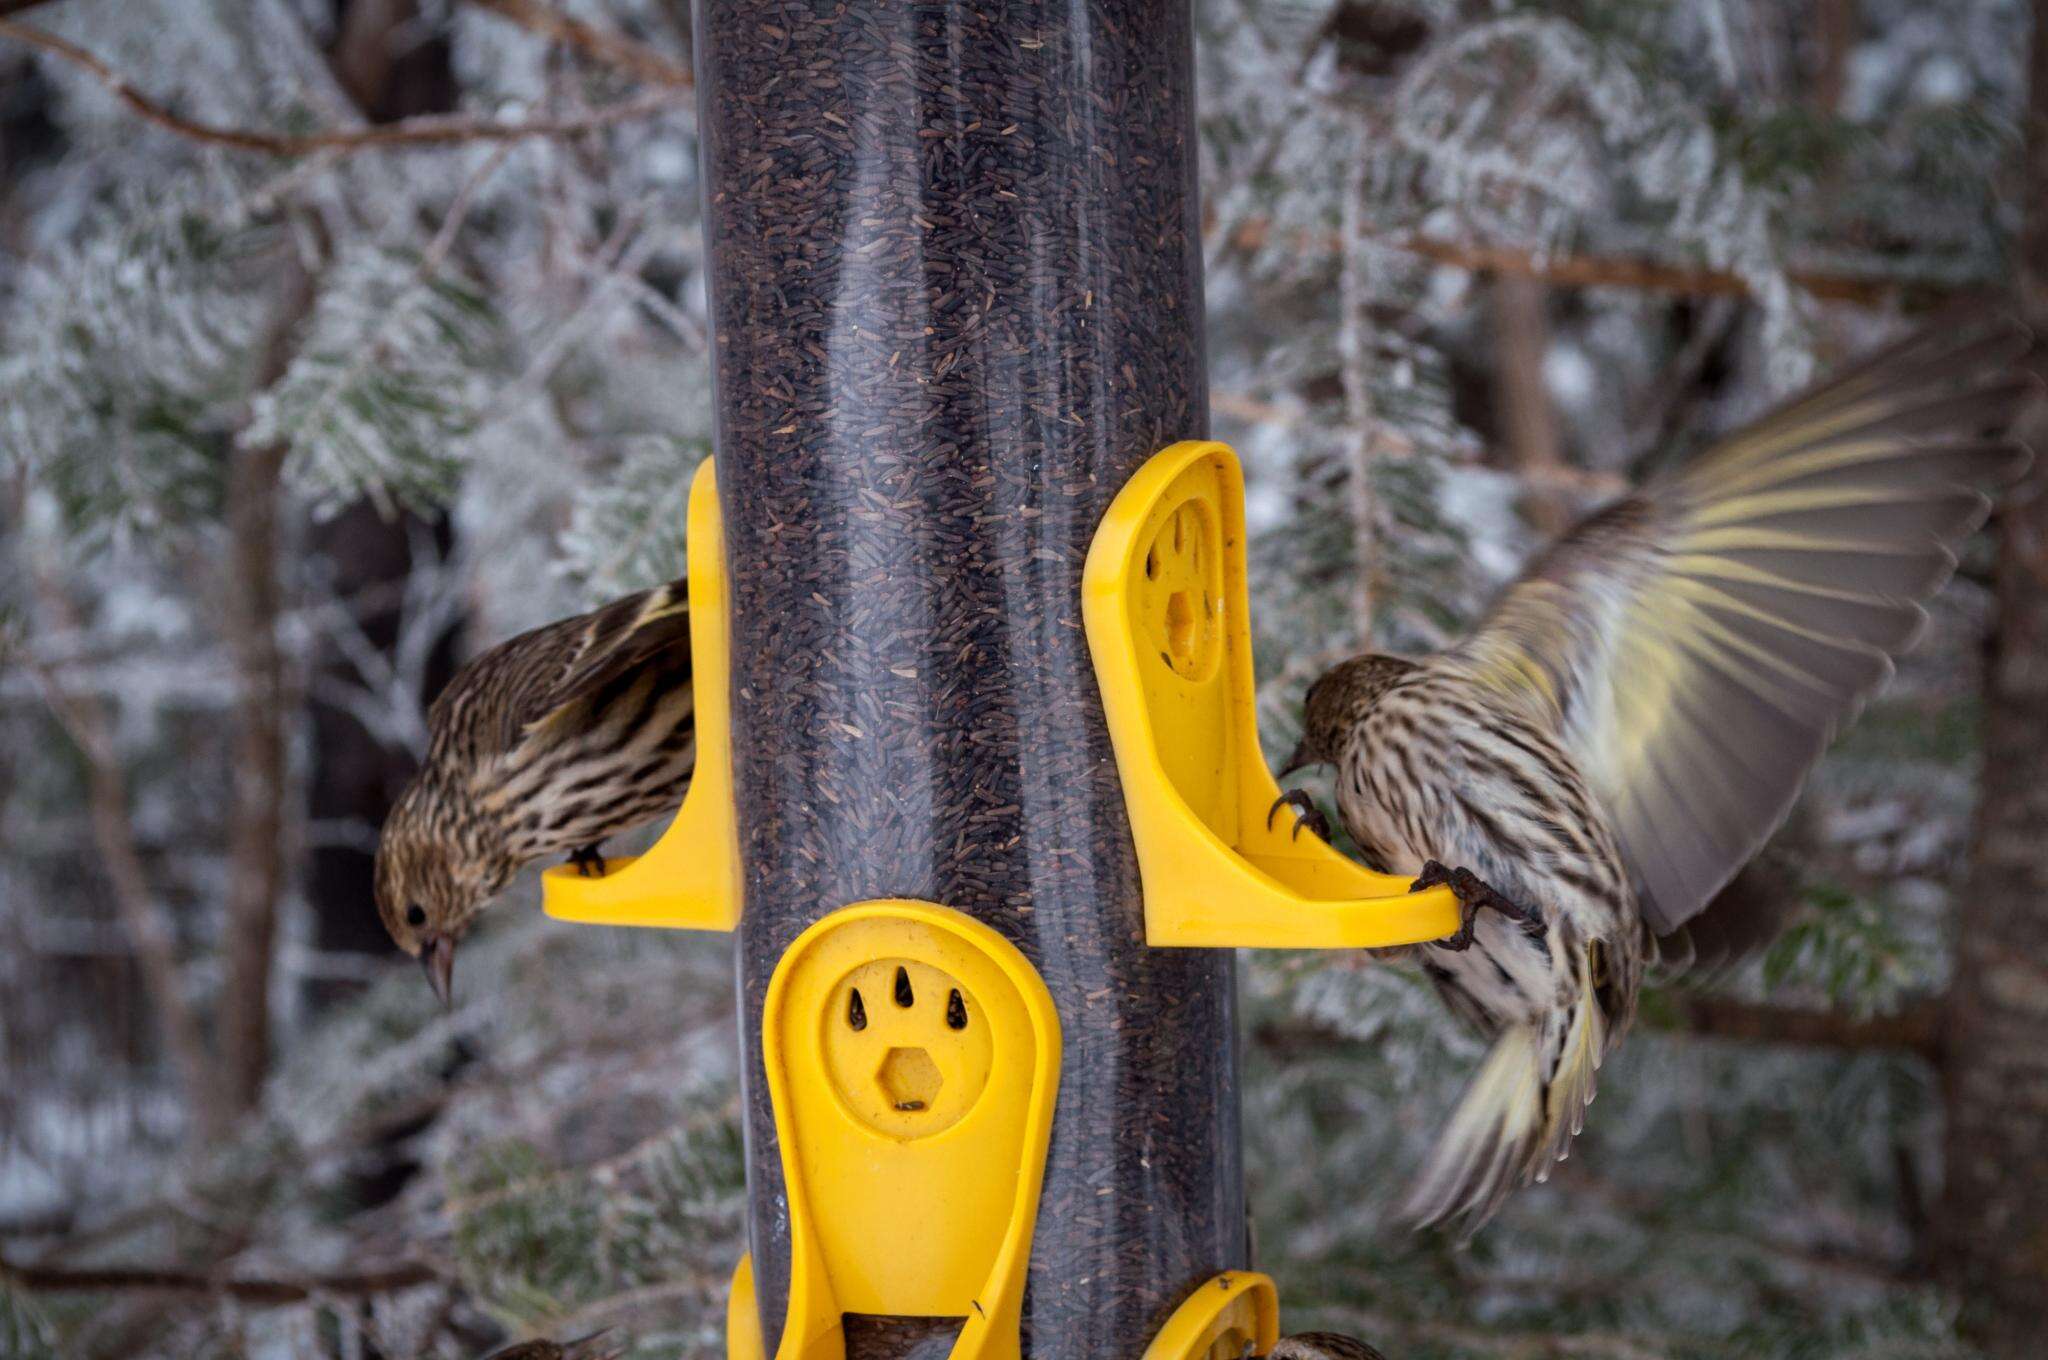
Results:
[956, 287]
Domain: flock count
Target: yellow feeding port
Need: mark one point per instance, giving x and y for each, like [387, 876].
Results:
[913, 1057]
[1228, 1318]
[1166, 605]
[743, 1340]
[690, 880]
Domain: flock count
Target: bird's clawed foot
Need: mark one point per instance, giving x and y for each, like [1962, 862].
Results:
[589, 863]
[1474, 894]
[1306, 813]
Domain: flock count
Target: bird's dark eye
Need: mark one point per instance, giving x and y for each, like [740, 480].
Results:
[415, 915]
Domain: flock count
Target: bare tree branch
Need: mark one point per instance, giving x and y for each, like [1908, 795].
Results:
[1595, 271]
[435, 130]
[1988, 1239]
[1916, 1029]
[143, 917]
[1354, 348]
[1834, 24]
[256, 819]
[80, 1280]
[1530, 440]
[613, 49]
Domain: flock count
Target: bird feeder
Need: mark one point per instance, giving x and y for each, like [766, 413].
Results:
[978, 788]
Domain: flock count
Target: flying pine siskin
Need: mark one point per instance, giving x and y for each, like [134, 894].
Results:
[543, 746]
[1638, 711]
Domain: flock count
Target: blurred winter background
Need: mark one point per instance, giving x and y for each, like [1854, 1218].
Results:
[339, 338]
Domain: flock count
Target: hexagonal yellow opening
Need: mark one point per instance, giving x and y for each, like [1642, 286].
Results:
[910, 1079]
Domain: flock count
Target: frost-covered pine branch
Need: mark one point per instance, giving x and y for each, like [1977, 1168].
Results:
[389, 376]
[626, 527]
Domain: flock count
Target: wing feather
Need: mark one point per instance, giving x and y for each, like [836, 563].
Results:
[1697, 645]
[613, 643]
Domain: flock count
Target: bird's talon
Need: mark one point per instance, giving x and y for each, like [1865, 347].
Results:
[1306, 813]
[1474, 895]
[588, 861]
[1459, 940]
[1316, 822]
[1288, 799]
[1433, 875]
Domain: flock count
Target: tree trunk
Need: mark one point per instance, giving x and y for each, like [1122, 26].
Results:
[1362, 422]
[256, 830]
[1993, 1217]
[1529, 436]
[388, 76]
[256, 850]
[1834, 32]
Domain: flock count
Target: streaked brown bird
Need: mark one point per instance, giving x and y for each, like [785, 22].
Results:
[1637, 713]
[590, 1347]
[1322, 1346]
[543, 746]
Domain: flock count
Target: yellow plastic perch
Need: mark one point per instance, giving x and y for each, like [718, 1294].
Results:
[1231, 1316]
[1228, 1318]
[1165, 602]
[913, 1058]
[690, 879]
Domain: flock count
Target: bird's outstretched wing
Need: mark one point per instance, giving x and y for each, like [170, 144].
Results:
[611, 644]
[1696, 645]
[1746, 916]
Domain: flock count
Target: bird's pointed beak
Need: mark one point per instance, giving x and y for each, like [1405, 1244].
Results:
[437, 956]
[1300, 760]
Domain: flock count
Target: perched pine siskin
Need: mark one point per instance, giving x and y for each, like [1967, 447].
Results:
[1322, 1346]
[545, 745]
[1639, 710]
[582, 1348]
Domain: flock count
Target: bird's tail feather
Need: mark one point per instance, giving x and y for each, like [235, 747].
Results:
[1518, 1116]
[1576, 1076]
[1483, 1152]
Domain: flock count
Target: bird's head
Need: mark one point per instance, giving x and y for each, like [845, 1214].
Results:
[1337, 702]
[432, 878]
[1322, 1346]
